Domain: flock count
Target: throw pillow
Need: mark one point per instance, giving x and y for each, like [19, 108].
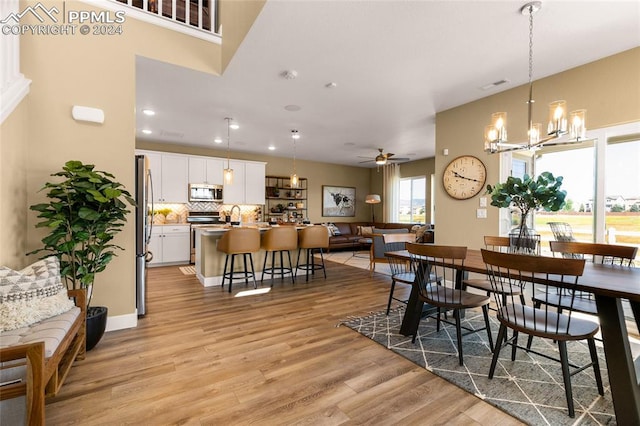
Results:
[366, 230]
[334, 229]
[33, 294]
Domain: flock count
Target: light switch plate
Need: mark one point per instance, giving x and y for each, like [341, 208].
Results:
[483, 202]
[481, 213]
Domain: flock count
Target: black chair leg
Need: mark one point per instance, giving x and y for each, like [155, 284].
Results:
[324, 271]
[281, 266]
[393, 285]
[246, 274]
[293, 276]
[566, 375]
[514, 345]
[233, 256]
[596, 365]
[496, 352]
[487, 324]
[264, 267]
[456, 315]
[253, 273]
[224, 273]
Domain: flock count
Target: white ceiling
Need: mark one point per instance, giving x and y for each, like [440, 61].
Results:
[395, 64]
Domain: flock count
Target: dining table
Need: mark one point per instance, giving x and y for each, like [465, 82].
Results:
[609, 284]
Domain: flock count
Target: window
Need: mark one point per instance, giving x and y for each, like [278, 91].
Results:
[622, 192]
[412, 200]
[602, 181]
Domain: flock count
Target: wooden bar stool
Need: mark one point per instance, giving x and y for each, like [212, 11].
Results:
[279, 240]
[312, 239]
[244, 241]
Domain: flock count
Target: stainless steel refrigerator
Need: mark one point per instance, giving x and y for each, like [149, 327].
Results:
[144, 225]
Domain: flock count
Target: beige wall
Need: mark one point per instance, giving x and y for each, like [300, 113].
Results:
[96, 71]
[13, 179]
[318, 174]
[608, 89]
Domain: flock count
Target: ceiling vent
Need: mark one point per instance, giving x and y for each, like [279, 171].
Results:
[494, 84]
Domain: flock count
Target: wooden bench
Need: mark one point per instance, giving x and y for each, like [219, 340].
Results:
[44, 376]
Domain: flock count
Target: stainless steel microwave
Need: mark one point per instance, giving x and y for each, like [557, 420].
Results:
[205, 192]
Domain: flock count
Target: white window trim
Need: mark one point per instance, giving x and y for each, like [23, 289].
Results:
[14, 85]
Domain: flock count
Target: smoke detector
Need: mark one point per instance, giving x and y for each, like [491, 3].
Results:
[290, 74]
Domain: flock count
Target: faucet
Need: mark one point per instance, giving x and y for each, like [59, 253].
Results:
[235, 206]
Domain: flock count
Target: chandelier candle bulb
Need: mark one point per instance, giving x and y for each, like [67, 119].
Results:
[499, 123]
[577, 130]
[557, 118]
[534, 133]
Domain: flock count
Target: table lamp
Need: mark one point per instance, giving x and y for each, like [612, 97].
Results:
[372, 199]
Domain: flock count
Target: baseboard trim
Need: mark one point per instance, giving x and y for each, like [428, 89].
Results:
[121, 322]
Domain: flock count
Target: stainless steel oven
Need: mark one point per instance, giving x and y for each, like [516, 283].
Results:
[200, 218]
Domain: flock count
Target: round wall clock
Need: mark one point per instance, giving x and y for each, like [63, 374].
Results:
[464, 177]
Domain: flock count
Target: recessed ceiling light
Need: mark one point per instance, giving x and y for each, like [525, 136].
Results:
[349, 144]
[272, 148]
[292, 108]
[148, 112]
[217, 140]
[146, 131]
[330, 85]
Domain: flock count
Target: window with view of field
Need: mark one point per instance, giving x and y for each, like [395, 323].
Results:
[603, 194]
[411, 200]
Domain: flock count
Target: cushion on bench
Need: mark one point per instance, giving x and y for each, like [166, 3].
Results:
[50, 331]
[31, 295]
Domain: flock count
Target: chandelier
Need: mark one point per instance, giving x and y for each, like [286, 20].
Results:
[495, 135]
[228, 172]
[294, 177]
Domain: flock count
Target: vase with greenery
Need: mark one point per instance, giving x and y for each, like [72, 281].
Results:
[86, 210]
[527, 195]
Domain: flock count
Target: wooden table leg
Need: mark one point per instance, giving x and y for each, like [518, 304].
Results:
[620, 364]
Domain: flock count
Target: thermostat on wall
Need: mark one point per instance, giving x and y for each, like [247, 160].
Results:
[83, 113]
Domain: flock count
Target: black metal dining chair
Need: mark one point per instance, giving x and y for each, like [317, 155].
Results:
[436, 268]
[401, 270]
[507, 269]
[501, 244]
[598, 253]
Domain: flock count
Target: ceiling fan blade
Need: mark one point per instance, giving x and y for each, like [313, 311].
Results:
[389, 154]
[398, 159]
[367, 161]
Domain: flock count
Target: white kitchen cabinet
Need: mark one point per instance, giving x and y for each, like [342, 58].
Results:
[170, 244]
[170, 174]
[254, 175]
[206, 170]
[234, 193]
[248, 183]
[175, 179]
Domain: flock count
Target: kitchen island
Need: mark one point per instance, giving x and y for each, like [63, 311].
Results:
[210, 262]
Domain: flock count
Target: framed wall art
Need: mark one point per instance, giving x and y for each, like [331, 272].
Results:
[338, 201]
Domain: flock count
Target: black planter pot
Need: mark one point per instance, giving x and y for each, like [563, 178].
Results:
[96, 324]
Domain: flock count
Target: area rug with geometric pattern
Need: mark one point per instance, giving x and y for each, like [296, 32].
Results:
[529, 388]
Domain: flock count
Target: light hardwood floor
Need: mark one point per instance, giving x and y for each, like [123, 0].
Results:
[202, 356]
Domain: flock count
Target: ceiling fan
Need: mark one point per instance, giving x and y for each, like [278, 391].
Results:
[382, 158]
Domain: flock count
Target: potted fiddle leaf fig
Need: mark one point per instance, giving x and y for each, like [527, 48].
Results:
[528, 195]
[86, 210]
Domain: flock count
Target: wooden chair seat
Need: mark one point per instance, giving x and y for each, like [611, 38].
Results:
[449, 298]
[547, 324]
